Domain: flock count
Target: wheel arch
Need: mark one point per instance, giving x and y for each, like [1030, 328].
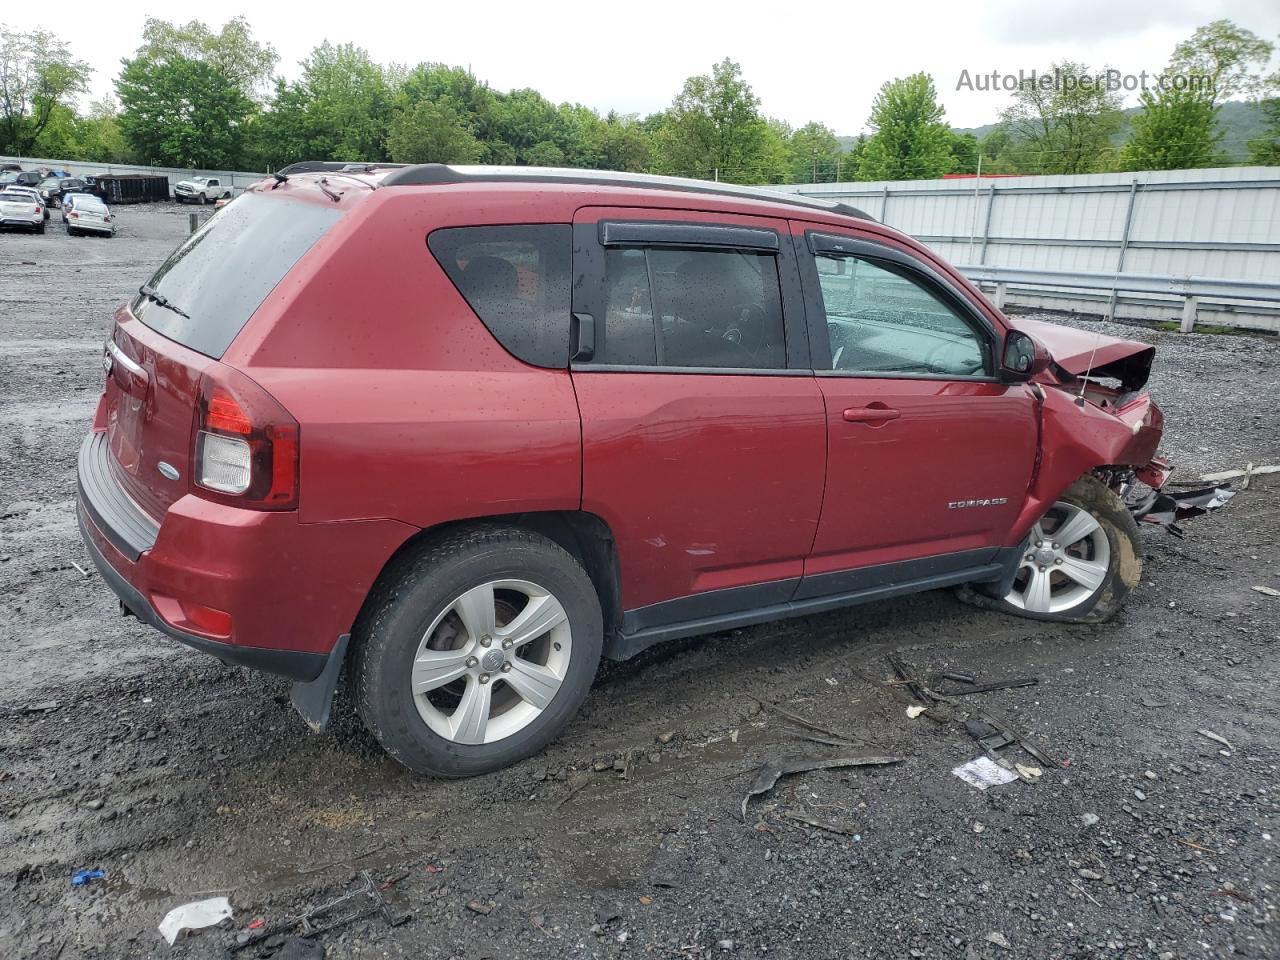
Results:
[583, 535]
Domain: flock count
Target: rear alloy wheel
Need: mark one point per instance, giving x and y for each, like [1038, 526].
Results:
[1080, 562]
[477, 651]
[478, 675]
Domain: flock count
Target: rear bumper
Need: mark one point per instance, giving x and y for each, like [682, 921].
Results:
[287, 663]
[290, 589]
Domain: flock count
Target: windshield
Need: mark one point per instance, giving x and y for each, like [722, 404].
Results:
[15, 197]
[223, 271]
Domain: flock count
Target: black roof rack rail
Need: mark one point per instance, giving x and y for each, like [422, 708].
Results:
[439, 173]
[336, 166]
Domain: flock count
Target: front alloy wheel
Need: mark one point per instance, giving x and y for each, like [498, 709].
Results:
[1066, 562]
[1079, 563]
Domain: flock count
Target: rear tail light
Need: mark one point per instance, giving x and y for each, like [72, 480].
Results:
[73, 215]
[246, 444]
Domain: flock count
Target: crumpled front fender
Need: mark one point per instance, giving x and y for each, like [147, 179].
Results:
[1078, 437]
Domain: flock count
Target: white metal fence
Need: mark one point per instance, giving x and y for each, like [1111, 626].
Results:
[1181, 225]
[238, 179]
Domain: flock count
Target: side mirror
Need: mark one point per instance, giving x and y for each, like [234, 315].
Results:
[1023, 356]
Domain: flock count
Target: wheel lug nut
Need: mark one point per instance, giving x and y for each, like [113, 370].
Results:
[472, 661]
[484, 678]
[1039, 543]
[1042, 569]
[485, 641]
[506, 668]
[1058, 561]
[506, 644]
[1055, 546]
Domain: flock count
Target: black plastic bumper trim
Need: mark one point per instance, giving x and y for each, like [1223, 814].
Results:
[294, 664]
[121, 520]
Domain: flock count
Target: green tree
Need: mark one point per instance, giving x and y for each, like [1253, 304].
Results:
[619, 142]
[339, 109]
[964, 153]
[714, 129]
[183, 113]
[38, 76]
[188, 96]
[910, 139]
[433, 131]
[812, 154]
[1265, 150]
[1230, 56]
[1062, 121]
[1176, 130]
[232, 51]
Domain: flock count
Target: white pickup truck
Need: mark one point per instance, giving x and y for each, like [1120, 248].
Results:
[200, 189]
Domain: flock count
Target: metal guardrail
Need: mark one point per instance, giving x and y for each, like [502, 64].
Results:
[1191, 289]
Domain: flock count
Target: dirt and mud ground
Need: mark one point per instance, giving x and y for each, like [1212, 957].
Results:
[183, 778]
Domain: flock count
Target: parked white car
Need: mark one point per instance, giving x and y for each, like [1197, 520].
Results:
[85, 213]
[19, 209]
[33, 193]
[201, 189]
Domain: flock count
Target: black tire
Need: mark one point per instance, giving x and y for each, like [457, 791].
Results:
[408, 600]
[72, 231]
[204, 199]
[40, 229]
[1124, 569]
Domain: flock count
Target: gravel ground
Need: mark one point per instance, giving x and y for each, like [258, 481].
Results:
[183, 778]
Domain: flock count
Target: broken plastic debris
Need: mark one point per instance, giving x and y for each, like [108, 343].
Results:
[1028, 772]
[1268, 591]
[983, 773]
[774, 770]
[915, 711]
[194, 916]
[84, 877]
[1215, 738]
[1167, 508]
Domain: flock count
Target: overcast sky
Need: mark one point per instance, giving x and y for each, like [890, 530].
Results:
[805, 61]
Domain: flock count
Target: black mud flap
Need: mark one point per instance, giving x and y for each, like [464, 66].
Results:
[313, 699]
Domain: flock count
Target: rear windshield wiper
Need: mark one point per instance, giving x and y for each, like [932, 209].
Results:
[159, 298]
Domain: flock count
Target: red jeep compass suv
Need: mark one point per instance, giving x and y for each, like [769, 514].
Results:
[461, 431]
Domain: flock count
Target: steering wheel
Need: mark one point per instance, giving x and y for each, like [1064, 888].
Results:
[748, 326]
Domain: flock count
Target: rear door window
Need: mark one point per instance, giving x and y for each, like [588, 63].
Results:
[222, 272]
[692, 308]
[516, 279]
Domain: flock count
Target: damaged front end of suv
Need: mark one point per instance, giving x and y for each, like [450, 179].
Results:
[1095, 407]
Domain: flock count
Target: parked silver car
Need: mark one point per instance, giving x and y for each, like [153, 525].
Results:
[18, 208]
[33, 193]
[85, 213]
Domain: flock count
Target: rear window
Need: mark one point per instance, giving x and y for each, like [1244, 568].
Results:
[516, 279]
[222, 272]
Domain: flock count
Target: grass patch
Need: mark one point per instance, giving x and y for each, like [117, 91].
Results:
[1173, 326]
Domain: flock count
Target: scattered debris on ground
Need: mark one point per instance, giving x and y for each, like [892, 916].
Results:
[774, 770]
[194, 916]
